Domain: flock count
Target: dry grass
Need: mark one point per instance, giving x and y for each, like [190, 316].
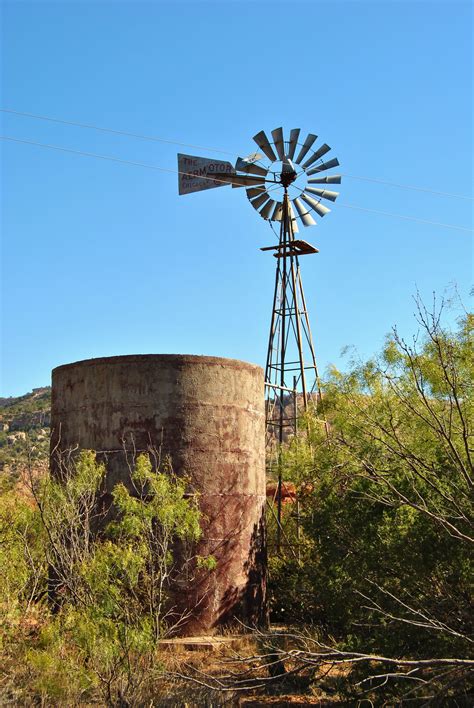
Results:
[230, 655]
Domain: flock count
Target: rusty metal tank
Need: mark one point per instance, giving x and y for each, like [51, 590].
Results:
[207, 414]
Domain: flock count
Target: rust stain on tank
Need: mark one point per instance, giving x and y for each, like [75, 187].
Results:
[207, 414]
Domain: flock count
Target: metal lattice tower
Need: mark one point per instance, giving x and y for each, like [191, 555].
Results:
[291, 373]
[289, 369]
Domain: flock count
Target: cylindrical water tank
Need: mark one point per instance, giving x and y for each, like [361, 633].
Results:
[207, 414]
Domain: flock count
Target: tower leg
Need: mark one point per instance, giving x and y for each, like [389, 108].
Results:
[290, 346]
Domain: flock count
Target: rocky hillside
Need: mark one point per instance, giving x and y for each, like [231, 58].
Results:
[24, 427]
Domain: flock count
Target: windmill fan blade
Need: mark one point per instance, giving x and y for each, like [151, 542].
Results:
[306, 147]
[243, 166]
[259, 201]
[331, 179]
[277, 212]
[299, 207]
[324, 166]
[317, 206]
[264, 144]
[244, 180]
[253, 170]
[294, 135]
[317, 155]
[305, 216]
[294, 223]
[323, 193]
[267, 209]
[255, 191]
[277, 136]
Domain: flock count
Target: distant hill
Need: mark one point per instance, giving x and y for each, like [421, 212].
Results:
[24, 427]
[38, 399]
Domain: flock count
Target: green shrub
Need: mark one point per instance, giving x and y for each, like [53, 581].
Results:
[110, 586]
[386, 499]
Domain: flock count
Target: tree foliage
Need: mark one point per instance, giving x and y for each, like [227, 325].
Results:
[110, 584]
[386, 497]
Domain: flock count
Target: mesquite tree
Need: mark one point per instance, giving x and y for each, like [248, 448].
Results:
[386, 501]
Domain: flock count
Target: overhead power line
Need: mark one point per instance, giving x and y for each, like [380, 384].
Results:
[155, 139]
[402, 216]
[145, 165]
[109, 158]
[112, 130]
[408, 186]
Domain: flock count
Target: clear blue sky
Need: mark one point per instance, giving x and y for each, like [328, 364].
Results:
[103, 259]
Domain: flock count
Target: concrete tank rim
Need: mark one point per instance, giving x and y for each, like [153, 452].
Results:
[178, 358]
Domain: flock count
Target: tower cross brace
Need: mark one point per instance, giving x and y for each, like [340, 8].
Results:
[291, 370]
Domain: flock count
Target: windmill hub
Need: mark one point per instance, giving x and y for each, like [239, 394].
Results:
[287, 177]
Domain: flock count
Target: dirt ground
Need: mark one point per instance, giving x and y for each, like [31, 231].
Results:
[208, 659]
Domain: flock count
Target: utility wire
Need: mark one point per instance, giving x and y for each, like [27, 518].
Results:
[408, 186]
[107, 157]
[402, 216]
[169, 170]
[111, 130]
[213, 149]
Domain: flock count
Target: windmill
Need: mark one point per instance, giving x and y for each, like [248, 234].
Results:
[291, 372]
